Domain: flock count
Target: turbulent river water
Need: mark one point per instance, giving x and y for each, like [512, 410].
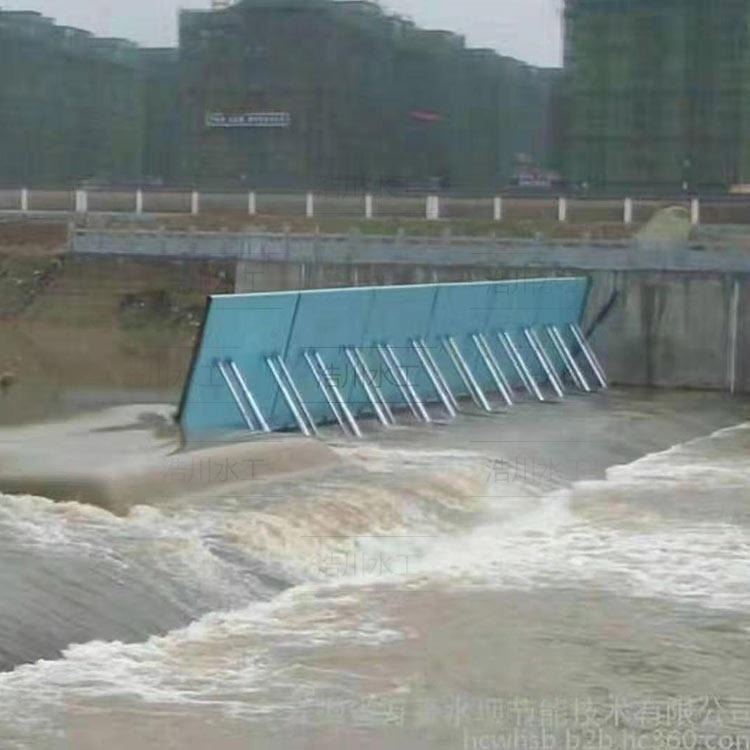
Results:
[578, 578]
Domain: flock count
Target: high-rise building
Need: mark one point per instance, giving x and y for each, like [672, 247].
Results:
[323, 94]
[657, 94]
[71, 104]
[340, 94]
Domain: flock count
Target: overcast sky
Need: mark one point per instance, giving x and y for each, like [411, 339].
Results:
[527, 29]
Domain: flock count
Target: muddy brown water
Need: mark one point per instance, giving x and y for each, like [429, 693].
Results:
[565, 576]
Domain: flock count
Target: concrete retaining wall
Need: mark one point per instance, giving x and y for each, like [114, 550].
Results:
[674, 328]
[681, 316]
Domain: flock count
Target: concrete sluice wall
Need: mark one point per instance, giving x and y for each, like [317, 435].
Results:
[670, 329]
[674, 329]
[676, 317]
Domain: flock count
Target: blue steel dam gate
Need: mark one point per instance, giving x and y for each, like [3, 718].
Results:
[295, 360]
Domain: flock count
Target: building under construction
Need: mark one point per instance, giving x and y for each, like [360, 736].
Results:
[332, 94]
[658, 94]
[337, 94]
[340, 94]
[72, 105]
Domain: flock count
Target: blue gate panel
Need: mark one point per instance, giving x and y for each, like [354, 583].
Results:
[326, 322]
[460, 311]
[248, 328]
[399, 315]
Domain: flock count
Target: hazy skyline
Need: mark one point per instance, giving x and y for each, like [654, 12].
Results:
[527, 29]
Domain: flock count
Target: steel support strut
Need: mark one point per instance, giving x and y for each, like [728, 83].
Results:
[367, 387]
[570, 363]
[249, 396]
[287, 397]
[385, 356]
[434, 378]
[337, 395]
[409, 385]
[222, 367]
[466, 374]
[588, 352]
[493, 368]
[541, 355]
[320, 379]
[436, 369]
[519, 363]
[297, 395]
[375, 387]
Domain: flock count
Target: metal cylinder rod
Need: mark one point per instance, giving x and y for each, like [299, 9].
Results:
[494, 359]
[446, 386]
[573, 368]
[566, 366]
[368, 390]
[525, 380]
[287, 397]
[460, 370]
[409, 385]
[589, 353]
[312, 364]
[434, 379]
[512, 349]
[556, 378]
[541, 355]
[297, 394]
[544, 357]
[384, 355]
[469, 374]
[490, 368]
[498, 369]
[373, 383]
[337, 395]
[236, 396]
[248, 395]
[490, 365]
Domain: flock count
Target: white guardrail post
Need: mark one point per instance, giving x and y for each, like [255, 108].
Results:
[432, 208]
[695, 212]
[627, 211]
[81, 201]
[497, 208]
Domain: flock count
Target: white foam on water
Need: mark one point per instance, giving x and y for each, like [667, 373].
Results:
[525, 540]
[721, 459]
[222, 659]
[386, 499]
[407, 502]
[597, 533]
[61, 530]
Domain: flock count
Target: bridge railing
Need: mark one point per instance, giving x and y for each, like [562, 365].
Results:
[310, 205]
